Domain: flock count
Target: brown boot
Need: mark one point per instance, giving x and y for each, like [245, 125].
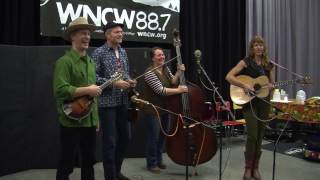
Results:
[249, 165]
[255, 172]
[247, 174]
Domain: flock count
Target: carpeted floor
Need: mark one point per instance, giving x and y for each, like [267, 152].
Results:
[291, 149]
[287, 167]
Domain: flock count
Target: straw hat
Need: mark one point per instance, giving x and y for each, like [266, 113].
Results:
[77, 24]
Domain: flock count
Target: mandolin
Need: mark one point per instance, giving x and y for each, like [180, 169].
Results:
[261, 88]
[80, 107]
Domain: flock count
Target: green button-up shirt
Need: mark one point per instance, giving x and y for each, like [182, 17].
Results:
[72, 71]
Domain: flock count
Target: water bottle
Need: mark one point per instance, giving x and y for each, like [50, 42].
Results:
[283, 94]
[276, 95]
[300, 97]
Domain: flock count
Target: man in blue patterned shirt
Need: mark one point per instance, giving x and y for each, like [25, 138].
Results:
[113, 103]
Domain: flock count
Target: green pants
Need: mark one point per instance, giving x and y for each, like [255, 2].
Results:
[255, 128]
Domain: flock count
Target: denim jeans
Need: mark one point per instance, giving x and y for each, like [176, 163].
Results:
[155, 138]
[115, 138]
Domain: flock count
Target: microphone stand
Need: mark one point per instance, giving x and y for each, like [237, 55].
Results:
[220, 122]
[187, 125]
[282, 67]
[136, 100]
[276, 142]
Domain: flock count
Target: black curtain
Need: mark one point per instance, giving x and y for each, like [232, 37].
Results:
[217, 28]
[21, 26]
[20, 22]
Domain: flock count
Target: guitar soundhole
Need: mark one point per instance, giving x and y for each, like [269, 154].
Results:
[257, 87]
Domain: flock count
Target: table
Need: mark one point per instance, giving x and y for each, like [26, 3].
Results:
[308, 118]
[305, 113]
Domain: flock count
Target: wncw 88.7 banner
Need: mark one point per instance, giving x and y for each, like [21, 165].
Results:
[144, 20]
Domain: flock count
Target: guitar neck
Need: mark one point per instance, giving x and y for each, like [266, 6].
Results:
[283, 83]
[106, 84]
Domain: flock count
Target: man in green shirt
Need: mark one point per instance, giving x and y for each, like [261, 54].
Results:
[74, 76]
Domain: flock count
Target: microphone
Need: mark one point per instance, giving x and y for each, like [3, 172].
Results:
[135, 99]
[197, 55]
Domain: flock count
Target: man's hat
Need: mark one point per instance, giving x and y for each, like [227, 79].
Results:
[110, 25]
[79, 23]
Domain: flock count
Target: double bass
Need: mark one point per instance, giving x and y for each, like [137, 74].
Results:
[193, 143]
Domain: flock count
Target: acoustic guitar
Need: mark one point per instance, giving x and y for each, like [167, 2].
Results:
[80, 107]
[261, 88]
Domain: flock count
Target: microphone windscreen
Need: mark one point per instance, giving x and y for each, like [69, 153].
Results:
[197, 53]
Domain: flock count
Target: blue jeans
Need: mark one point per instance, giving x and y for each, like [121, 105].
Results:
[115, 138]
[155, 138]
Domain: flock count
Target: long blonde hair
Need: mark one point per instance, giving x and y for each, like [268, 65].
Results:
[258, 39]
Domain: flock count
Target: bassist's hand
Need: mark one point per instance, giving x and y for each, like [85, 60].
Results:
[181, 67]
[94, 90]
[182, 89]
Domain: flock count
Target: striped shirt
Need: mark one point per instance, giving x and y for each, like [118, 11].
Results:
[154, 82]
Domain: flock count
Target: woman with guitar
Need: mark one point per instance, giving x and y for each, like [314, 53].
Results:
[159, 84]
[256, 65]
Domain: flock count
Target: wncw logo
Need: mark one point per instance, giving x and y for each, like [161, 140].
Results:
[151, 21]
[97, 18]
[43, 2]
